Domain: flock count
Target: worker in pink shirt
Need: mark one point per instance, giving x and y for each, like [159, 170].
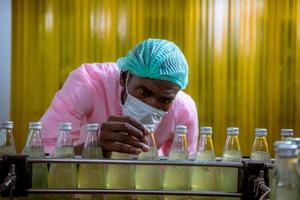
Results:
[144, 87]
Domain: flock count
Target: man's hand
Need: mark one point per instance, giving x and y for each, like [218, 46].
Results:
[123, 134]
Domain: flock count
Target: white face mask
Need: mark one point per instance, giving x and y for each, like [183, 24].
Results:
[141, 111]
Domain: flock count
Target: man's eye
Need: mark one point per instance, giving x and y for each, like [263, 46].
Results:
[166, 100]
[144, 93]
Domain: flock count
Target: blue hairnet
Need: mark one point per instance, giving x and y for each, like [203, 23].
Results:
[156, 59]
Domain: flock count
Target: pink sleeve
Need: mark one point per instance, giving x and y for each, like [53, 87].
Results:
[71, 104]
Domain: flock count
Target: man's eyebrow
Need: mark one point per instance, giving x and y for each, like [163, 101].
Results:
[145, 87]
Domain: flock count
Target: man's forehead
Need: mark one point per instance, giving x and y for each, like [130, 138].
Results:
[155, 85]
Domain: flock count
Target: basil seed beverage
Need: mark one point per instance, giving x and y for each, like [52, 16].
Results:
[205, 178]
[63, 175]
[148, 177]
[177, 177]
[7, 142]
[231, 153]
[91, 175]
[260, 149]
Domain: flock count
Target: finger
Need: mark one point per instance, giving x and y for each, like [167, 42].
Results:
[127, 139]
[131, 121]
[119, 147]
[124, 127]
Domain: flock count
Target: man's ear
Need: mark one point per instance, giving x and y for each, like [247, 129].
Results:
[123, 77]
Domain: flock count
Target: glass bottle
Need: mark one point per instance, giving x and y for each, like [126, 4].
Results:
[286, 133]
[148, 177]
[296, 141]
[91, 175]
[231, 153]
[273, 172]
[7, 142]
[287, 180]
[204, 178]
[260, 150]
[64, 149]
[36, 150]
[177, 177]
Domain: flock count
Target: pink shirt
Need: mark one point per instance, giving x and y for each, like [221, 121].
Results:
[92, 93]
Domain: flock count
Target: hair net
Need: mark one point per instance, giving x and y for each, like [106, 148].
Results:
[156, 59]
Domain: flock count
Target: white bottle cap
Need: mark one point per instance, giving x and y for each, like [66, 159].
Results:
[287, 150]
[277, 143]
[92, 127]
[206, 130]
[261, 132]
[286, 132]
[8, 125]
[65, 126]
[35, 125]
[295, 141]
[233, 131]
[181, 129]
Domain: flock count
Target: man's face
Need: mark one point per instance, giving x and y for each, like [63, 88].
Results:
[156, 93]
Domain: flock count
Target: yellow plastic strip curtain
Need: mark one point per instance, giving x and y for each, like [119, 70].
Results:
[244, 55]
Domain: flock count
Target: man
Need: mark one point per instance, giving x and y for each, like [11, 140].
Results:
[142, 88]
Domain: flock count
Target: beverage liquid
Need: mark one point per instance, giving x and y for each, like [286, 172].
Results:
[260, 150]
[177, 177]
[7, 143]
[91, 175]
[287, 180]
[205, 178]
[148, 177]
[232, 153]
[120, 176]
[63, 175]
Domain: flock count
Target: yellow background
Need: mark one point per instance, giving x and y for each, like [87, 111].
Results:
[244, 55]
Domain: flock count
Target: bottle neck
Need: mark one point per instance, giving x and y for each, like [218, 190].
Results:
[179, 142]
[285, 137]
[91, 139]
[35, 138]
[9, 138]
[205, 143]
[64, 138]
[260, 144]
[232, 143]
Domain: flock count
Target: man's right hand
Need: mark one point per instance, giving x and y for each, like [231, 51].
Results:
[123, 134]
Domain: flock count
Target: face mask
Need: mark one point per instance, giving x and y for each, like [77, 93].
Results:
[141, 111]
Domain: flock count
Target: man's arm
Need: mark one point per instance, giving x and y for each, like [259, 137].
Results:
[71, 104]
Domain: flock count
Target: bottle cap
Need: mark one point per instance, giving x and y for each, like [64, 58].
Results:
[287, 150]
[261, 132]
[150, 127]
[206, 130]
[8, 125]
[286, 132]
[35, 125]
[181, 129]
[65, 126]
[295, 141]
[233, 131]
[92, 127]
[276, 144]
